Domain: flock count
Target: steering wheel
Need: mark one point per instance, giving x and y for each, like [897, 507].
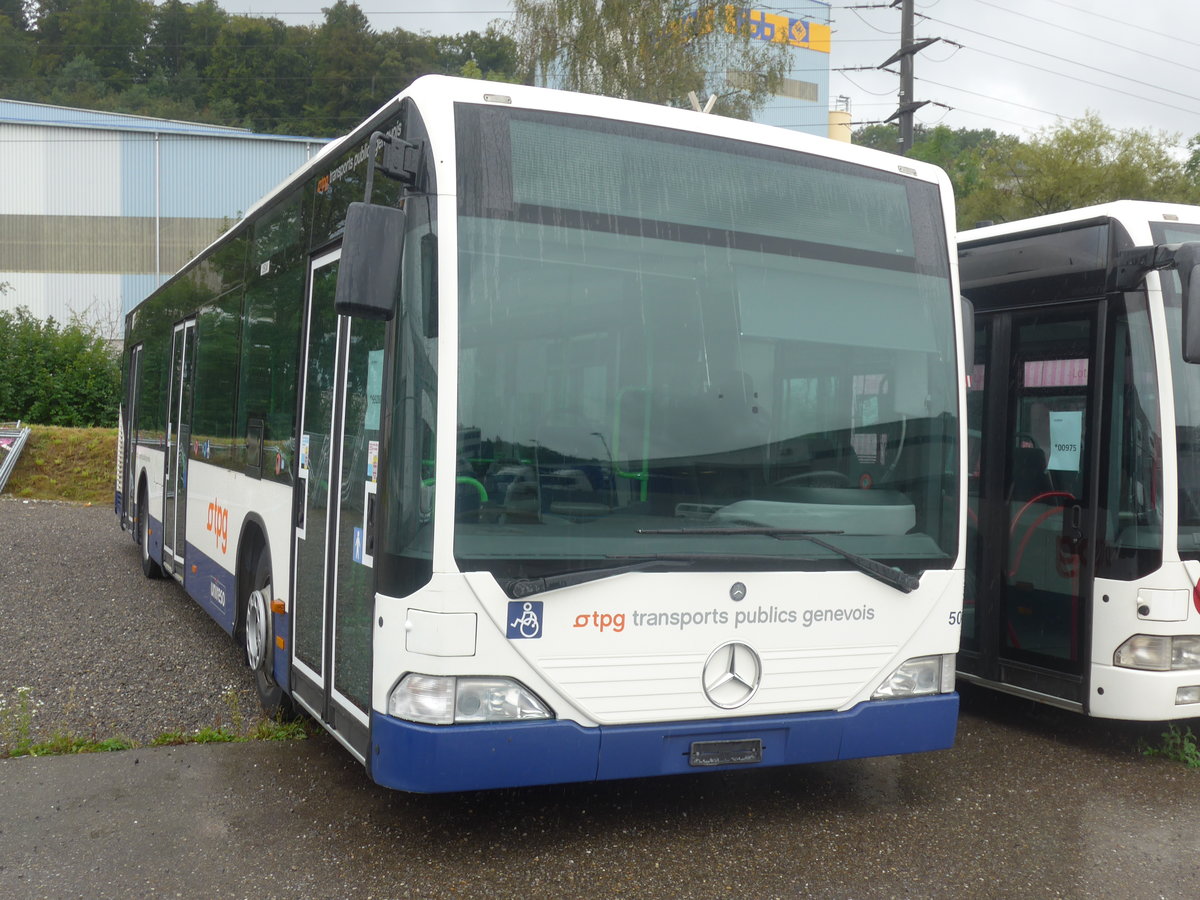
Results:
[818, 478]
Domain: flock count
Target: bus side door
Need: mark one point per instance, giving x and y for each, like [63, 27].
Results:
[179, 426]
[1031, 499]
[337, 474]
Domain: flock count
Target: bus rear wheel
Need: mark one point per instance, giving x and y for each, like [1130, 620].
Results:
[259, 639]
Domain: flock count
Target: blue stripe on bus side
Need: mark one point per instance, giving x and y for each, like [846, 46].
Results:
[432, 758]
[200, 588]
[155, 539]
[211, 586]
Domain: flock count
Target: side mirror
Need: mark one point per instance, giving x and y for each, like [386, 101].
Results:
[1187, 263]
[369, 271]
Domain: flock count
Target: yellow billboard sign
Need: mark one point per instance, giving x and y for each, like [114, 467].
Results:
[762, 26]
[780, 29]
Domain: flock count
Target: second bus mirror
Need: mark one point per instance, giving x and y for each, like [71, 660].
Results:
[369, 271]
[1187, 264]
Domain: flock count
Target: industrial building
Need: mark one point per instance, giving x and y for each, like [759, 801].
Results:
[802, 102]
[97, 209]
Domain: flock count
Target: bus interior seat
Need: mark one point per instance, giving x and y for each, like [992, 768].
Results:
[1029, 475]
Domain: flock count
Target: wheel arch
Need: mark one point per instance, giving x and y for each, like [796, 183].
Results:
[252, 542]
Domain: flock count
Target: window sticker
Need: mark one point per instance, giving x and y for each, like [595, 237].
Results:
[374, 388]
[372, 461]
[1066, 441]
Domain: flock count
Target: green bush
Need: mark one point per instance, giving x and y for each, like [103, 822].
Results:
[56, 374]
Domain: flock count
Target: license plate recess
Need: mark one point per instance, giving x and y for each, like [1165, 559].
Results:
[726, 753]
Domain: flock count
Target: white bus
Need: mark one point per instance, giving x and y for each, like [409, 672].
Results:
[528, 437]
[1084, 470]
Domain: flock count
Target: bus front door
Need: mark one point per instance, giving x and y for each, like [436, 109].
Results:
[179, 422]
[133, 394]
[334, 592]
[1031, 499]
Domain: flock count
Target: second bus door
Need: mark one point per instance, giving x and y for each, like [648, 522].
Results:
[1032, 420]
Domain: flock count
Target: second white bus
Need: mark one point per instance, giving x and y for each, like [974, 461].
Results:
[1083, 583]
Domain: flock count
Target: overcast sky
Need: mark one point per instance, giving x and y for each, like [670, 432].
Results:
[1022, 65]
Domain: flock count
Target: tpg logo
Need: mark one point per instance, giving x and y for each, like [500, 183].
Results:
[218, 524]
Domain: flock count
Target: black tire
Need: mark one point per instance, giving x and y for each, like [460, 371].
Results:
[150, 568]
[258, 638]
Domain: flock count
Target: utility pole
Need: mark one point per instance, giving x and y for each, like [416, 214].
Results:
[906, 77]
[908, 49]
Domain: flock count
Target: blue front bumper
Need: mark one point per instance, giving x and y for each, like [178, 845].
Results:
[433, 759]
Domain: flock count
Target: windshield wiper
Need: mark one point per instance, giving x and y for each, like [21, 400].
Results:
[517, 588]
[901, 581]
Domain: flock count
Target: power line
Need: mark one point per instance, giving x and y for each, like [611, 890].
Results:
[1114, 90]
[996, 99]
[1090, 37]
[1144, 90]
[1125, 23]
[1087, 66]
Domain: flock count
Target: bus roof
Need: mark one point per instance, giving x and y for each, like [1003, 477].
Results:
[433, 92]
[1133, 214]
[429, 90]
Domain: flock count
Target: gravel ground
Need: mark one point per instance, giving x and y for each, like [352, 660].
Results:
[104, 651]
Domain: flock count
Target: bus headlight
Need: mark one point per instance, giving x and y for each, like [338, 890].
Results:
[919, 677]
[1159, 652]
[456, 700]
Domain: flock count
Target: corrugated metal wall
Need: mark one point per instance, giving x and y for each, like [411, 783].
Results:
[97, 209]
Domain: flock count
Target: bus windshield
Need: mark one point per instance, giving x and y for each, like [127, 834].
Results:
[678, 345]
[1186, 389]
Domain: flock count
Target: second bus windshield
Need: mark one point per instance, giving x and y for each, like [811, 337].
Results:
[661, 332]
[1186, 391]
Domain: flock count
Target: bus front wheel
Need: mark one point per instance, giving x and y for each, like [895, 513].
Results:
[259, 639]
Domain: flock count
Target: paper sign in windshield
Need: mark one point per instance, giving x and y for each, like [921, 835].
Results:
[1066, 441]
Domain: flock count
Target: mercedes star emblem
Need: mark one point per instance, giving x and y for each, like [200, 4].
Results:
[731, 675]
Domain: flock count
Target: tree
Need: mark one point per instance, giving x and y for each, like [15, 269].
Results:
[406, 56]
[1076, 164]
[259, 73]
[17, 50]
[56, 375]
[493, 54]
[884, 137]
[652, 51]
[1192, 166]
[182, 36]
[79, 83]
[960, 153]
[16, 12]
[111, 33]
[346, 59]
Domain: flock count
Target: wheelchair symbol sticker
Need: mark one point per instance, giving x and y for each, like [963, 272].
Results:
[525, 619]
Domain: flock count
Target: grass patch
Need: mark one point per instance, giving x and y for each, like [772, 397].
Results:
[1179, 746]
[16, 727]
[77, 464]
[63, 744]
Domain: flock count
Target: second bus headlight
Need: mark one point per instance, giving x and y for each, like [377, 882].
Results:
[1159, 652]
[457, 700]
[919, 677]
